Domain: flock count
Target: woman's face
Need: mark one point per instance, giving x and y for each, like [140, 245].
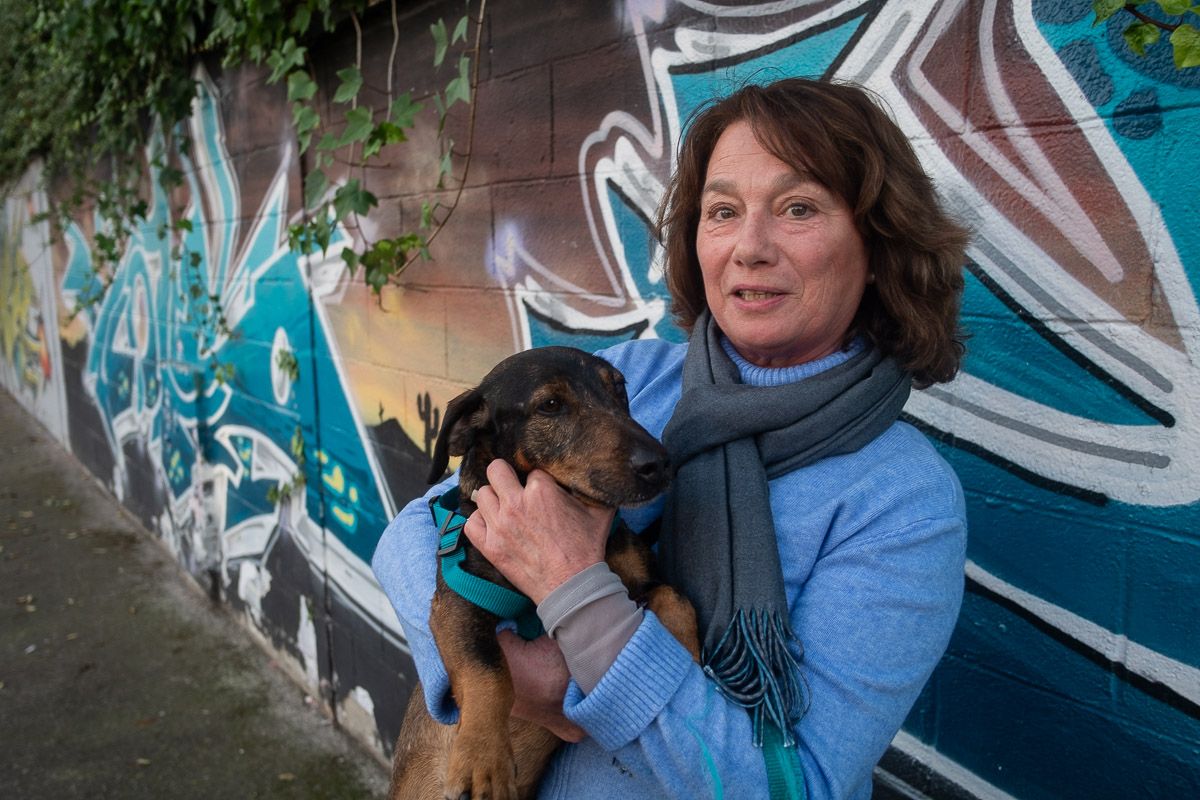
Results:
[784, 267]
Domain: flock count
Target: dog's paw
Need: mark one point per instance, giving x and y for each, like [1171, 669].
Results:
[481, 769]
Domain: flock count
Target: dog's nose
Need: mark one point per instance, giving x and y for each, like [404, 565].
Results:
[649, 465]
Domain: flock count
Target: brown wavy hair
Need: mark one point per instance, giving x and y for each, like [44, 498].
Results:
[841, 136]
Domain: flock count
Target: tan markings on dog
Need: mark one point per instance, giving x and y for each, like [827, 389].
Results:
[481, 759]
[423, 749]
[522, 462]
[631, 565]
[480, 763]
[677, 616]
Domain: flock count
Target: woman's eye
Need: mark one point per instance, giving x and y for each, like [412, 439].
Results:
[798, 210]
[720, 213]
[550, 407]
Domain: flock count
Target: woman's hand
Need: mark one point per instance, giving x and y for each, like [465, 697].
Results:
[540, 677]
[537, 535]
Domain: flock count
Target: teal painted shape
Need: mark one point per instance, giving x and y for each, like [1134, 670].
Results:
[808, 57]
[1082, 556]
[636, 238]
[78, 277]
[543, 333]
[1009, 695]
[1005, 350]
[172, 381]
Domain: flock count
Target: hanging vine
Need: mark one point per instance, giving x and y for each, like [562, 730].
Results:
[1146, 29]
[91, 86]
[365, 133]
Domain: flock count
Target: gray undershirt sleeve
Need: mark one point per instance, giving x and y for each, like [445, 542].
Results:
[591, 617]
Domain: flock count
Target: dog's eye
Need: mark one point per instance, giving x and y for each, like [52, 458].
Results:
[551, 407]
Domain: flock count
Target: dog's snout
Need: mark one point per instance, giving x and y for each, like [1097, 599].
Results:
[649, 465]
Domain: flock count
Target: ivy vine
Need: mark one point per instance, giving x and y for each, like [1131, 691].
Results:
[89, 87]
[1146, 29]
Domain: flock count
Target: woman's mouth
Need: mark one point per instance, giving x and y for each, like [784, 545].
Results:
[752, 295]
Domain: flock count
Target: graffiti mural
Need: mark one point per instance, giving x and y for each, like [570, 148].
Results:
[30, 364]
[265, 414]
[187, 367]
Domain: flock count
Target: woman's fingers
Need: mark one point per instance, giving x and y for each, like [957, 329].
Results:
[536, 533]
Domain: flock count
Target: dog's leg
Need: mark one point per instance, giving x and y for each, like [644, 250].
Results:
[677, 615]
[630, 558]
[481, 762]
[419, 760]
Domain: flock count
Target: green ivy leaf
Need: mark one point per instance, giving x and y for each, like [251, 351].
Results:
[460, 30]
[352, 81]
[440, 42]
[315, 184]
[351, 198]
[301, 19]
[460, 88]
[297, 444]
[426, 215]
[300, 86]
[358, 126]
[1175, 7]
[1140, 35]
[1105, 9]
[384, 133]
[1186, 41]
[320, 232]
[351, 258]
[287, 58]
[404, 111]
[306, 120]
[169, 178]
[298, 238]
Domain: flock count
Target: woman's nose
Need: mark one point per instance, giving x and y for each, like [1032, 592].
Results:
[754, 245]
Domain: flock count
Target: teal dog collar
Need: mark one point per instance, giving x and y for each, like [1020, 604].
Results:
[503, 602]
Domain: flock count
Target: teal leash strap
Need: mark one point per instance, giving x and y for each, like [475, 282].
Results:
[785, 775]
[503, 602]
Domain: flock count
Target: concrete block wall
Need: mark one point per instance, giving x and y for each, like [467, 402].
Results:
[1075, 427]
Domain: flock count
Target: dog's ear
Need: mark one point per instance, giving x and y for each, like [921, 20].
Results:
[465, 416]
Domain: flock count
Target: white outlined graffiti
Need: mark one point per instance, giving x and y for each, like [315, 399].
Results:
[1138, 464]
[217, 447]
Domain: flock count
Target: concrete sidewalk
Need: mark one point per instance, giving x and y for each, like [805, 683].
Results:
[118, 678]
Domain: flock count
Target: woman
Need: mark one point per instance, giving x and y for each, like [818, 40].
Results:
[821, 539]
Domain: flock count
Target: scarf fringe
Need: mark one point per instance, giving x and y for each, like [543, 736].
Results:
[754, 669]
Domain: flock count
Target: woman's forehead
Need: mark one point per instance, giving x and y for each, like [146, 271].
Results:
[741, 156]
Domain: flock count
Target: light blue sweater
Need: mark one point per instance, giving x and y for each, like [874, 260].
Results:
[871, 546]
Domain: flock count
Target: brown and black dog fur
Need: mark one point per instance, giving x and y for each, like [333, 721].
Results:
[563, 411]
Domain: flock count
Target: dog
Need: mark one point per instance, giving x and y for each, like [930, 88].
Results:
[566, 412]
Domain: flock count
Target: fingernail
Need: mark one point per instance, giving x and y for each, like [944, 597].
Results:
[474, 495]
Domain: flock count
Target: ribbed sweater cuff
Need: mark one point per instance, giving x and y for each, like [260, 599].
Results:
[634, 690]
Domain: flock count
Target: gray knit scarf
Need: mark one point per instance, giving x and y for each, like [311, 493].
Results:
[726, 440]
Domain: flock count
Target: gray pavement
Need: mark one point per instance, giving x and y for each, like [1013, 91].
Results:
[118, 677]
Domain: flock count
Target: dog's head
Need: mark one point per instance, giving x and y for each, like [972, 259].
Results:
[560, 410]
